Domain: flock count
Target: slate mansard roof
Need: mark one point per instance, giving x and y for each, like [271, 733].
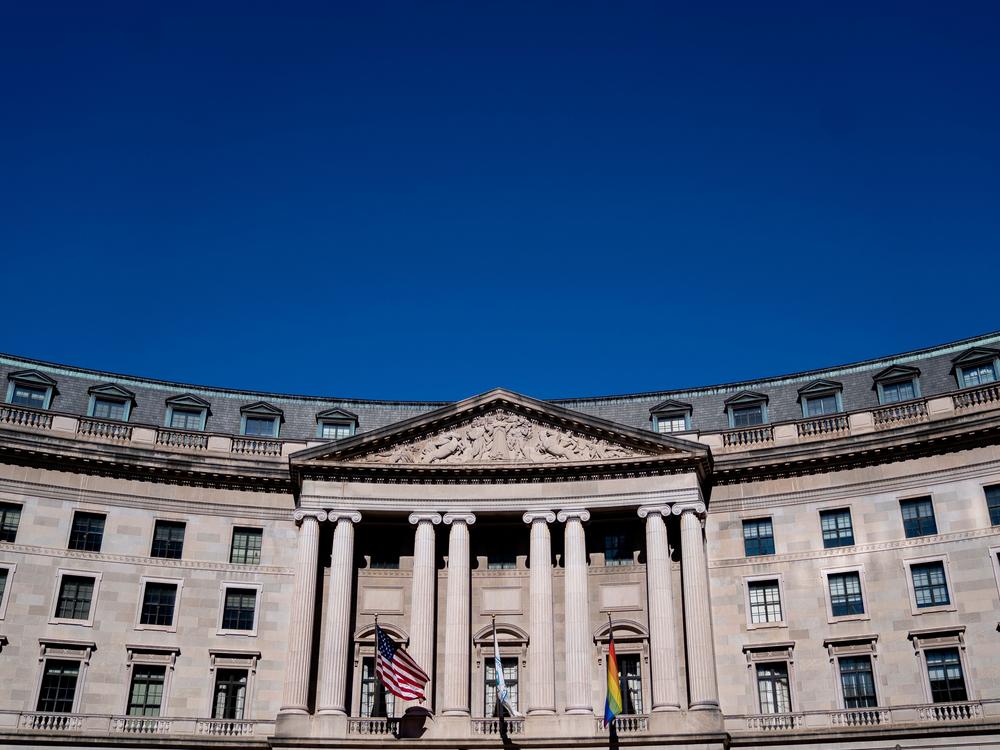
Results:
[74, 387]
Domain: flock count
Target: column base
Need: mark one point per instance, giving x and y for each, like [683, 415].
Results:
[329, 724]
[667, 707]
[292, 723]
[549, 726]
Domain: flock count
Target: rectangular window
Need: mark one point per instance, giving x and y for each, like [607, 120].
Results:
[748, 416]
[616, 550]
[336, 431]
[168, 539]
[818, 406]
[902, 390]
[930, 588]
[259, 426]
[385, 559]
[630, 683]
[837, 528]
[75, 596]
[88, 531]
[501, 560]
[772, 688]
[857, 682]
[4, 574]
[845, 594]
[145, 696]
[230, 693]
[58, 686]
[158, 603]
[246, 546]
[758, 537]
[509, 666]
[918, 517]
[978, 375]
[186, 419]
[239, 608]
[376, 701]
[944, 671]
[667, 424]
[765, 602]
[10, 518]
[992, 502]
[29, 395]
[106, 408]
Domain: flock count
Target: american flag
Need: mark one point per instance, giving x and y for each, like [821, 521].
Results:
[401, 676]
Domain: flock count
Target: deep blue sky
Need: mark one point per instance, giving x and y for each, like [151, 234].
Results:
[425, 200]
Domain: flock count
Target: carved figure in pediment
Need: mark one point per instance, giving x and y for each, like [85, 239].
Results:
[556, 445]
[476, 435]
[441, 447]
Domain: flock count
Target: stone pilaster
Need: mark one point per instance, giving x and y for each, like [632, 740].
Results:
[300, 627]
[457, 637]
[579, 650]
[702, 681]
[541, 647]
[332, 693]
[660, 596]
[422, 596]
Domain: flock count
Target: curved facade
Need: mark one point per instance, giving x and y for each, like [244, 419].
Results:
[808, 561]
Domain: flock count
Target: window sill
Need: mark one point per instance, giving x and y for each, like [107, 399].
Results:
[68, 621]
[767, 625]
[244, 633]
[848, 618]
[931, 610]
[159, 628]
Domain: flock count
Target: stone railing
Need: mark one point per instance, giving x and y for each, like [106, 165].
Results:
[256, 446]
[831, 424]
[225, 728]
[56, 723]
[986, 394]
[181, 438]
[860, 717]
[22, 417]
[903, 413]
[774, 722]
[749, 436]
[625, 724]
[140, 725]
[951, 711]
[104, 429]
[491, 726]
[379, 727]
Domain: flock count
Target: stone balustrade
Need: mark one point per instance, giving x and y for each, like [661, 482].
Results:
[376, 727]
[906, 412]
[984, 395]
[181, 439]
[21, 417]
[256, 446]
[774, 722]
[56, 723]
[749, 437]
[140, 725]
[860, 717]
[105, 725]
[225, 728]
[103, 428]
[491, 726]
[625, 724]
[952, 711]
[829, 425]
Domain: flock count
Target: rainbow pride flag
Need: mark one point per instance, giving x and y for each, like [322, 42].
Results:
[613, 702]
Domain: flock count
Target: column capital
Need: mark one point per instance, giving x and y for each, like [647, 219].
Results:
[421, 516]
[654, 510]
[696, 507]
[461, 516]
[539, 515]
[343, 514]
[302, 514]
[581, 514]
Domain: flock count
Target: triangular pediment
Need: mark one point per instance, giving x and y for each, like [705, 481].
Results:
[500, 430]
[670, 406]
[746, 397]
[113, 391]
[262, 408]
[895, 372]
[820, 386]
[338, 414]
[33, 377]
[975, 355]
[188, 399]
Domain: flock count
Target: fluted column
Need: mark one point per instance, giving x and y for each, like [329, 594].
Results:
[577, 602]
[457, 636]
[704, 688]
[660, 595]
[541, 649]
[300, 627]
[332, 693]
[422, 596]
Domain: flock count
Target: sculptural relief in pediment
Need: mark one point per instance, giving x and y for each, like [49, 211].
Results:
[501, 437]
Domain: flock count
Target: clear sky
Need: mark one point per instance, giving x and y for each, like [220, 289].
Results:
[426, 200]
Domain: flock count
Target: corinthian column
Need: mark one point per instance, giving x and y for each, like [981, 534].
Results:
[457, 635]
[541, 651]
[704, 686]
[332, 692]
[577, 602]
[300, 627]
[660, 595]
[422, 596]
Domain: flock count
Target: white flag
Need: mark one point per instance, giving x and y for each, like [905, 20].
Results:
[503, 696]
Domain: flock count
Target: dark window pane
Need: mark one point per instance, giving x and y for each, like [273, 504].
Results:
[259, 426]
[748, 416]
[993, 503]
[75, 596]
[246, 547]
[765, 602]
[4, 575]
[238, 613]
[336, 431]
[146, 694]
[837, 528]
[821, 405]
[772, 688]
[376, 701]
[29, 395]
[616, 550]
[895, 392]
[630, 683]
[58, 686]
[944, 670]
[978, 375]
[509, 666]
[857, 682]
[503, 559]
[186, 419]
[88, 532]
[845, 594]
[158, 603]
[918, 517]
[108, 409]
[758, 537]
[168, 539]
[230, 694]
[10, 518]
[930, 588]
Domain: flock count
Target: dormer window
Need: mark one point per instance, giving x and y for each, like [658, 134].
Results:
[187, 412]
[30, 388]
[110, 401]
[821, 398]
[897, 383]
[747, 409]
[336, 424]
[260, 420]
[977, 366]
[671, 416]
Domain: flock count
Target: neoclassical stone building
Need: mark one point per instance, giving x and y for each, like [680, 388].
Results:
[802, 561]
